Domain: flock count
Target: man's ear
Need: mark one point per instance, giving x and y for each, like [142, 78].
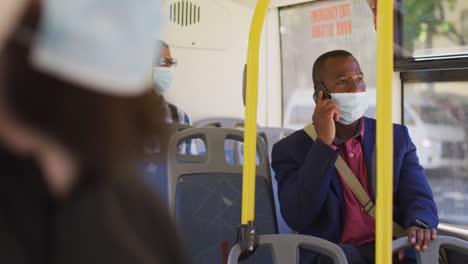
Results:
[316, 93]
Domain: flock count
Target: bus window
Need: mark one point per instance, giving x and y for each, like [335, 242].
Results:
[434, 30]
[409, 121]
[432, 39]
[311, 29]
[439, 129]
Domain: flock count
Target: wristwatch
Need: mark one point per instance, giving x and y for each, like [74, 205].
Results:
[420, 224]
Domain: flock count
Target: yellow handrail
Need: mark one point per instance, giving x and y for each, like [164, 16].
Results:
[384, 210]
[250, 132]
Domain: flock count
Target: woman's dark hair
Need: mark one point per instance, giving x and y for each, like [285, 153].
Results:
[103, 131]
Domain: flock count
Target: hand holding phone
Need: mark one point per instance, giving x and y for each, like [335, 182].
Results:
[320, 87]
[325, 114]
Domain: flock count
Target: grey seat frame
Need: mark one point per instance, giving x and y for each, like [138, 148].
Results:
[285, 248]
[431, 256]
[161, 154]
[226, 122]
[273, 135]
[213, 163]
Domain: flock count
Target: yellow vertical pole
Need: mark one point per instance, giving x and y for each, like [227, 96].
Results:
[384, 210]
[250, 132]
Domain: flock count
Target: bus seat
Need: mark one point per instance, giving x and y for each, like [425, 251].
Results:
[431, 256]
[205, 196]
[234, 152]
[285, 248]
[153, 167]
[226, 122]
[271, 135]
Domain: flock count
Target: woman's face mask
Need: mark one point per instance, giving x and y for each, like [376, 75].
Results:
[352, 106]
[104, 45]
[162, 79]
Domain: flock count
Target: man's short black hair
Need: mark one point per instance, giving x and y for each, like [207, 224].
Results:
[320, 62]
[162, 44]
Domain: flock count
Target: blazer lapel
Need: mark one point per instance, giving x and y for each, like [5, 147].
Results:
[335, 178]
[370, 152]
[337, 186]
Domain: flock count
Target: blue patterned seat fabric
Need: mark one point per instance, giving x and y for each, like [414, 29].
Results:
[208, 212]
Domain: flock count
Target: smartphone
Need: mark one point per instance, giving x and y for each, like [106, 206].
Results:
[321, 87]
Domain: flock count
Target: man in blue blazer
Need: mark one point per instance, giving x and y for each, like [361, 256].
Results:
[314, 198]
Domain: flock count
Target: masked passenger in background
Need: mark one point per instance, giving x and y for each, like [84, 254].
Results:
[163, 75]
[73, 116]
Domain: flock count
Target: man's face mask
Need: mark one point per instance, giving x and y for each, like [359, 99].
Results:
[162, 79]
[106, 45]
[352, 106]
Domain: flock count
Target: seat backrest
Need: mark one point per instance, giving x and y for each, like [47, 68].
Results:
[176, 127]
[271, 135]
[226, 122]
[285, 248]
[205, 194]
[154, 167]
[431, 256]
[233, 149]
[154, 151]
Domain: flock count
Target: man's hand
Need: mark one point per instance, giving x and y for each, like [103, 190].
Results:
[325, 114]
[420, 238]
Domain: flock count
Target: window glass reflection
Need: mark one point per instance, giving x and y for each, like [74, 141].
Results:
[436, 115]
[434, 28]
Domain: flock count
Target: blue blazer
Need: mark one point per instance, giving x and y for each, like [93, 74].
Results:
[311, 193]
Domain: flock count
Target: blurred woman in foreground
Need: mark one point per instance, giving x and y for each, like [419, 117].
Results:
[68, 142]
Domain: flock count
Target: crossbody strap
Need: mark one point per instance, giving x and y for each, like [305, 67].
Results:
[355, 186]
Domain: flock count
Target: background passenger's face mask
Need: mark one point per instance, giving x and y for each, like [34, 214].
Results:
[352, 106]
[162, 79]
[106, 45]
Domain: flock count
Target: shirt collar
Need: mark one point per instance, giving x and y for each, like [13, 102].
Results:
[359, 132]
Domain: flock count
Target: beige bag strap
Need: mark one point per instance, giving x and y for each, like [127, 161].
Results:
[355, 186]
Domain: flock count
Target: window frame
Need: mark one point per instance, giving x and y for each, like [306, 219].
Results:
[406, 64]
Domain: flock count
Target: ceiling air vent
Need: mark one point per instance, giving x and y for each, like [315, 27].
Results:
[186, 28]
[184, 13]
